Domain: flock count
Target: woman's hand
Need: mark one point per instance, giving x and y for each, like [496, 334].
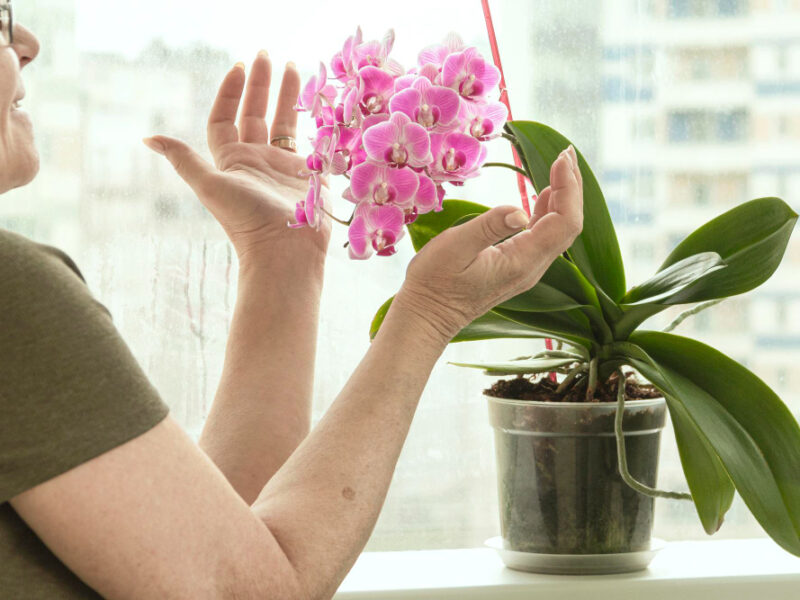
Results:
[254, 187]
[467, 270]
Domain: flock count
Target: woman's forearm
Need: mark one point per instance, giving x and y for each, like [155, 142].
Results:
[262, 409]
[322, 505]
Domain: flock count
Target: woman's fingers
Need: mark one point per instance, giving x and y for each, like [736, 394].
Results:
[252, 124]
[194, 170]
[576, 167]
[222, 120]
[566, 192]
[555, 231]
[285, 122]
[541, 207]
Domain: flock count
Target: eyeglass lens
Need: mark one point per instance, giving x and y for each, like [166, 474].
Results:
[6, 24]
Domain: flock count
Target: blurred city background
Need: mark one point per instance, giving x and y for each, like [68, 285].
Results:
[685, 108]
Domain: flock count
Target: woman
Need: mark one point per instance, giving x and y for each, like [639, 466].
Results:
[103, 495]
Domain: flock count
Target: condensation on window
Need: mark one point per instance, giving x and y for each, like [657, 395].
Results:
[684, 109]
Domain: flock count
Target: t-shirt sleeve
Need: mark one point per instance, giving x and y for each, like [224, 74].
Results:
[70, 388]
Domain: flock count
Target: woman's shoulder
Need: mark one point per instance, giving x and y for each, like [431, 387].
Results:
[22, 256]
[36, 276]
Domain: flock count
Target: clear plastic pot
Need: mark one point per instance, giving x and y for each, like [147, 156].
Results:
[560, 491]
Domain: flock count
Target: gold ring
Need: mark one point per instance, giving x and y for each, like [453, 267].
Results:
[284, 142]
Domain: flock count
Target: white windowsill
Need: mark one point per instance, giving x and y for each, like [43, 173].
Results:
[708, 570]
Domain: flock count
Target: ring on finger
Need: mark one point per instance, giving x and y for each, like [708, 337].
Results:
[284, 142]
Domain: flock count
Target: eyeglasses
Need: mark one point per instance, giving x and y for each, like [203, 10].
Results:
[6, 24]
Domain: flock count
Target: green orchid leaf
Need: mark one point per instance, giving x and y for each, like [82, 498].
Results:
[666, 284]
[754, 434]
[377, 320]
[596, 250]
[711, 487]
[750, 238]
[519, 367]
[572, 325]
[494, 326]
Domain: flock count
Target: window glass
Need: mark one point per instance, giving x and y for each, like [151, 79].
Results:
[635, 84]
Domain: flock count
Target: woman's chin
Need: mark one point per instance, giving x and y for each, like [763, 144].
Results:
[24, 171]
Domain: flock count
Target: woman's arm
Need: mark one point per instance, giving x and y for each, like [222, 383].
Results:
[262, 409]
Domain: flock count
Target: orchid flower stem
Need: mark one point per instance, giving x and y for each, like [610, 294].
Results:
[509, 137]
[622, 457]
[337, 219]
[688, 313]
[590, 389]
[506, 166]
[570, 377]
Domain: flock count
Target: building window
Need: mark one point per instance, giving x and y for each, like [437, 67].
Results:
[731, 126]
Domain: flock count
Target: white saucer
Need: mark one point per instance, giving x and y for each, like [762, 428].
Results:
[576, 564]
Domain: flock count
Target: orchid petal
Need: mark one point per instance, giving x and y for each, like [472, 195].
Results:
[453, 69]
[406, 101]
[362, 180]
[359, 247]
[403, 181]
[418, 144]
[426, 198]
[379, 138]
[430, 72]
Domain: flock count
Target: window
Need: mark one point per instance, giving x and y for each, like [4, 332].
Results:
[152, 254]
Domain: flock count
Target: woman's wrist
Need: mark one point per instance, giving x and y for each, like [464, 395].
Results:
[421, 319]
[300, 254]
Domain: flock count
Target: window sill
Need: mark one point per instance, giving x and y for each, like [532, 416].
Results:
[687, 570]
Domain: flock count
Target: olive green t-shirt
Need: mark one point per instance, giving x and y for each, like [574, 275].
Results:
[70, 390]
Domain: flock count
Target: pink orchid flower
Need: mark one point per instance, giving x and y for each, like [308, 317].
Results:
[375, 89]
[307, 212]
[398, 142]
[437, 53]
[342, 61]
[381, 184]
[457, 157]
[483, 121]
[317, 94]
[433, 107]
[469, 74]
[336, 150]
[376, 54]
[375, 228]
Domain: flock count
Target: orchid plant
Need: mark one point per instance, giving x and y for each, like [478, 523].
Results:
[398, 136]
[733, 432]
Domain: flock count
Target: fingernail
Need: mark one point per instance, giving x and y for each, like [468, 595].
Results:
[291, 65]
[239, 65]
[154, 145]
[516, 220]
[263, 53]
[566, 155]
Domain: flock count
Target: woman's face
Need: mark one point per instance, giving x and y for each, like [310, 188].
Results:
[19, 161]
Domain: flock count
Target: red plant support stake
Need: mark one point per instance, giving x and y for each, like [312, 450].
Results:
[487, 13]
